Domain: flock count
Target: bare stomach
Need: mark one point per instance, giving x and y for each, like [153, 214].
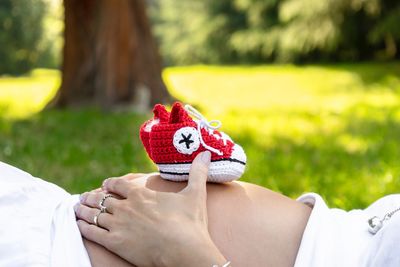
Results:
[251, 225]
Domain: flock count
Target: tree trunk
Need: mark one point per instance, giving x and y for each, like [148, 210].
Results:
[110, 56]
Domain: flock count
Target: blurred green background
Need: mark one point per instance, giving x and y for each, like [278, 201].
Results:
[309, 88]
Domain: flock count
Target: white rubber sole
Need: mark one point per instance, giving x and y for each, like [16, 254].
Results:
[220, 171]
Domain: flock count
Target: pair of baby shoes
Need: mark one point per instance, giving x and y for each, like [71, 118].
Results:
[173, 139]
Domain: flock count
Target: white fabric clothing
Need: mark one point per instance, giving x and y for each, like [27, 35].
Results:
[37, 225]
[38, 228]
[337, 238]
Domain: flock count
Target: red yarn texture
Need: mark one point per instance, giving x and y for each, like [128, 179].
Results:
[158, 139]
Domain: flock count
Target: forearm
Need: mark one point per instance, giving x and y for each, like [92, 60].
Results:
[202, 254]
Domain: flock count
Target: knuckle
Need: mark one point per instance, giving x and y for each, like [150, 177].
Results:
[82, 228]
[127, 176]
[131, 176]
[114, 205]
[83, 212]
[137, 193]
[85, 230]
[115, 240]
[90, 199]
[83, 197]
[78, 210]
[124, 209]
[77, 207]
[96, 190]
[119, 183]
[108, 183]
[136, 175]
[203, 169]
[87, 214]
[132, 192]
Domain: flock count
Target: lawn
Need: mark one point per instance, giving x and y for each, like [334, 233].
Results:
[333, 129]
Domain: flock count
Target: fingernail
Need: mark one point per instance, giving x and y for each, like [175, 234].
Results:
[205, 157]
[82, 197]
[104, 185]
[76, 206]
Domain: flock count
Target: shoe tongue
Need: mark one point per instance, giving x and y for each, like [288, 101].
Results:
[160, 113]
[179, 114]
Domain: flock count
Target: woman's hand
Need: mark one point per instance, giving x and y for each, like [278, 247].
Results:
[149, 228]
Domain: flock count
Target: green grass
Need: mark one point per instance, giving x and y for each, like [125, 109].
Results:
[332, 129]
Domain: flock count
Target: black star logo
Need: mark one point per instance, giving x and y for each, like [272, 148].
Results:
[186, 140]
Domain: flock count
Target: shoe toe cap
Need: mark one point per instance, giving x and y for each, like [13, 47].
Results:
[238, 153]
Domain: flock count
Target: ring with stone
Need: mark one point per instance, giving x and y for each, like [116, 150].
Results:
[101, 203]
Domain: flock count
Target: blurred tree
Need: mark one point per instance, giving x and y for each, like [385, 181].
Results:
[327, 30]
[386, 29]
[20, 34]
[52, 40]
[258, 39]
[254, 31]
[205, 36]
[110, 56]
[181, 45]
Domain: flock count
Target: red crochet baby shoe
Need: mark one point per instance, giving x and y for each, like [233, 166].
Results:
[173, 141]
[161, 115]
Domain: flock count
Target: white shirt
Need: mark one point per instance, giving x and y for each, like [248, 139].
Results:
[37, 223]
[338, 238]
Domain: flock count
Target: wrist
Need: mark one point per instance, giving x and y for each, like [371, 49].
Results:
[211, 256]
[197, 252]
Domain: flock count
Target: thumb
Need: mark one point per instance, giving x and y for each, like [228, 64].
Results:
[198, 174]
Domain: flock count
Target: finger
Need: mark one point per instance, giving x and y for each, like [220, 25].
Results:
[94, 200]
[132, 176]
[129, 176]
[93, 233]
[87, 214]
[198, 173]
[117, 186]
[97, 190]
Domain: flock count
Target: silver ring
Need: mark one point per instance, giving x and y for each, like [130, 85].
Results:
[96, 218]
[103, 209]
[101, 203]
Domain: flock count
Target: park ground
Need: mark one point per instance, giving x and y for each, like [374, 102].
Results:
[332, 129]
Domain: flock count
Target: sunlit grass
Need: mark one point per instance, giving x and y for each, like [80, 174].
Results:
[23, 96]
[330, 129]
[284, 87]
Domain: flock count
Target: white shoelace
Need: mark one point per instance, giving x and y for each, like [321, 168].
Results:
[210, 126]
